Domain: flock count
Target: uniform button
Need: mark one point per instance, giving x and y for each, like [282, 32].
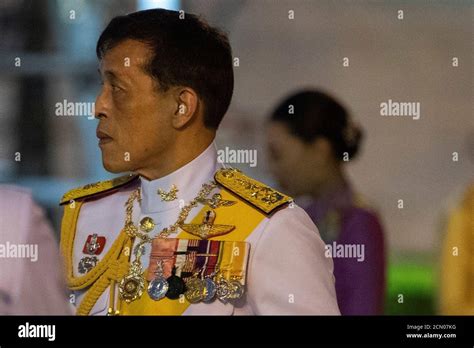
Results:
[147, 224]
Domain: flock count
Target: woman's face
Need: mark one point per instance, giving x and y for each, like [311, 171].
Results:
[299, 167]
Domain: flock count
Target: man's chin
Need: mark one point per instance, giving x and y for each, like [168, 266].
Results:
[116, 168]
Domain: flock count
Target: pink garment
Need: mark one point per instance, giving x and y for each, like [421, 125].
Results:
[31, 278]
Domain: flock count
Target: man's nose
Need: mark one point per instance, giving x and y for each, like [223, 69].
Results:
[100, 110]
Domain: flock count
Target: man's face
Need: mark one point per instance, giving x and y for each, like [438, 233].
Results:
[134, 117]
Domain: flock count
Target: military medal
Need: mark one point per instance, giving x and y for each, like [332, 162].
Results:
[133, 284]
[229, 290]
[236, 290]
[210, 290]
[210, 287]
[195, 290]
[223, 289]
[94, 244]
[87, 263]
[177, 286]
[159, 286]
[207, 229]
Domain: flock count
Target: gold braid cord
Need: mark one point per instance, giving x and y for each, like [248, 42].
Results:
[115, 271]
[112, 267]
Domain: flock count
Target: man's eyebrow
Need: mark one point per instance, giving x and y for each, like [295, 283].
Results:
[110, 74]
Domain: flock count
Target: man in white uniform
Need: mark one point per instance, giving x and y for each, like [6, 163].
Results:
[181, 235]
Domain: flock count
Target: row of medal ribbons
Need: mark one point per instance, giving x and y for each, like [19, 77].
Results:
[199, 270]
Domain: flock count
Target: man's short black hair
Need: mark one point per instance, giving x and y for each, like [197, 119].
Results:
[186, 52]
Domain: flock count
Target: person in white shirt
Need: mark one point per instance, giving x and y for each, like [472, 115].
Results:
[31, 274]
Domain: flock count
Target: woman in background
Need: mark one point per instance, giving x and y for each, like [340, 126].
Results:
[310, 138]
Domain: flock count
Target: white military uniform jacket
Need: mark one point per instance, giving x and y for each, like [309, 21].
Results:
[288, 272]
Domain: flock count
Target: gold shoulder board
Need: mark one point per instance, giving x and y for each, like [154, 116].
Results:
[252, 191]
[90, 190]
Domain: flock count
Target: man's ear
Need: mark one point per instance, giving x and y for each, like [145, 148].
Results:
[187, 105]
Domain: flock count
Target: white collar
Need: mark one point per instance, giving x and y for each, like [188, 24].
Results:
[188, 179]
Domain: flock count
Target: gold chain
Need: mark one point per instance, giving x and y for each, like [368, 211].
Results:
[132, 231]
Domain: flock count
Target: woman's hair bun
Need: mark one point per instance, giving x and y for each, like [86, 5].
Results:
[352, 136]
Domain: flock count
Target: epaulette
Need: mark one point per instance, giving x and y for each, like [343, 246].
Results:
[96, 188]
[252, 191]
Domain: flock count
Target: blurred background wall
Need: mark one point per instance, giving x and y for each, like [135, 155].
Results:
[47, 52]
